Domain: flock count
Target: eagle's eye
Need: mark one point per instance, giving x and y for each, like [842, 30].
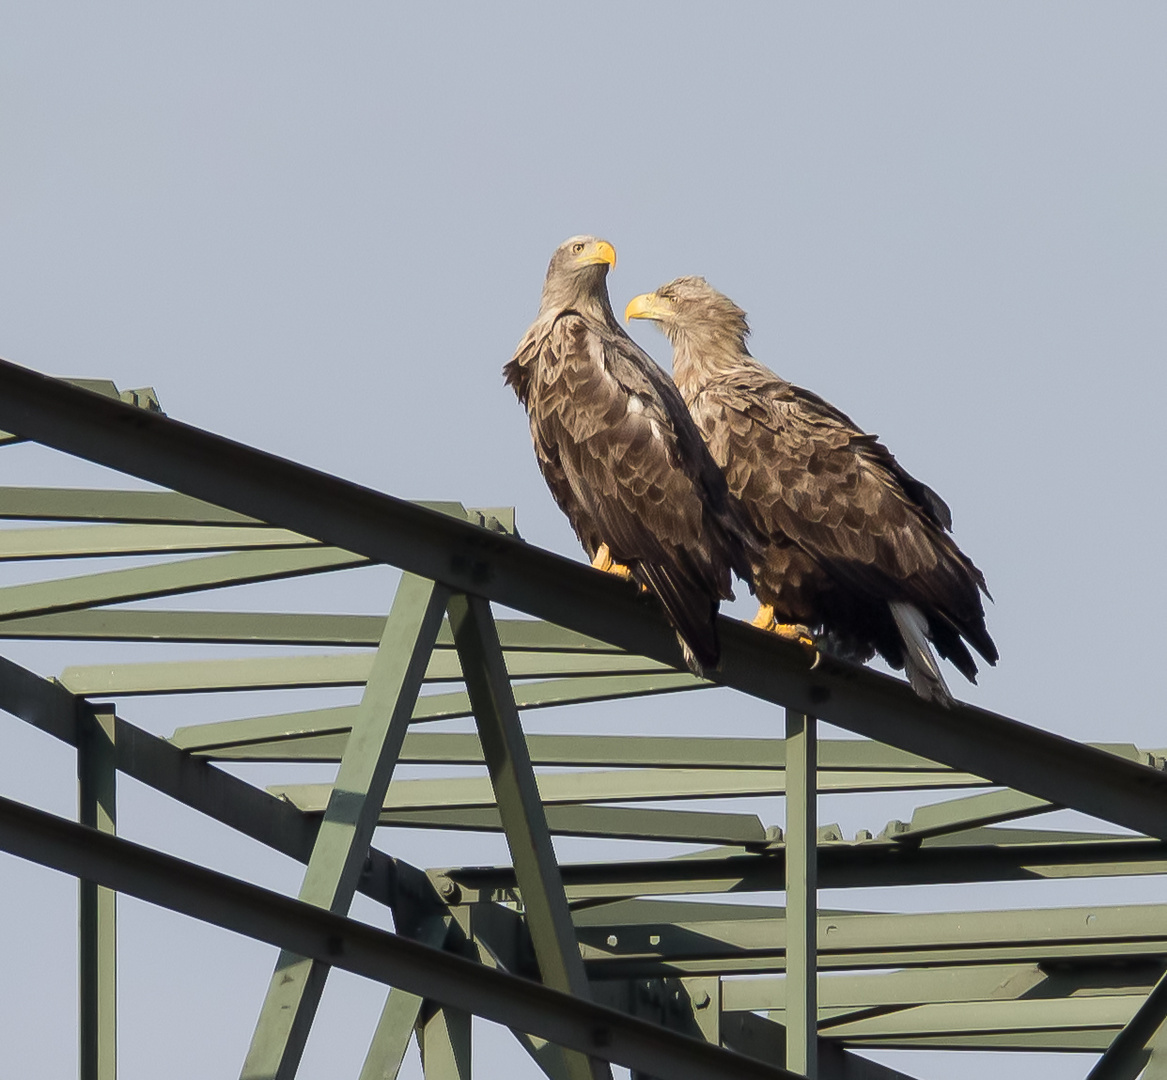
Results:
[576, 248]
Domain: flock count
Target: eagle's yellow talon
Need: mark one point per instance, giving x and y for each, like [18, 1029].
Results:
[795, 632]
[603, 561]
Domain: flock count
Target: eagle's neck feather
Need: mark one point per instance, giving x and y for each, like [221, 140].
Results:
[702, 355]
[585, 292]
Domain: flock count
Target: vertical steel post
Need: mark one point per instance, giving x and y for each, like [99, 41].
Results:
[97, 906]
[801, 895]
[342, 844]
[519, 804]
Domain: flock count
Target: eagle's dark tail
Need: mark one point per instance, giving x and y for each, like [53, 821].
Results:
[692, 612]
[923, 671]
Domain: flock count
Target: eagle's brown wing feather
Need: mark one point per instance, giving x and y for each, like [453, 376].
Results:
[840, 509]
[625, 463]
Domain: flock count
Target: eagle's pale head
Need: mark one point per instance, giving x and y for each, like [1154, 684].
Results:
[689, 308]
[575, 276]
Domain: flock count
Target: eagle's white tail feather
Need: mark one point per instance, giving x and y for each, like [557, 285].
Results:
[920, 662]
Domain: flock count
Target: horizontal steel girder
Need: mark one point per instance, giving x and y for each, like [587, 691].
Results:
[475, 560]
[303, 672]
[841, 994]
[88, 542]
[609, 822]
[327, 729]
[647, 938]
[989, 855]
[623, 785]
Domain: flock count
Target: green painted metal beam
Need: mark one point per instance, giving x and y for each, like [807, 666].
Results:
[302, 672]
[625, 785]
[320, 734]
[350, 817]
[169, 579]
[200, 627]
[524, 578]
[972, 812]
[154, 762]
[802, 786]
[997, 857]
[175, 509]
[761, 1038]
[622, 751]
[306, 930]
[97, 905]
[608, 822]
[142, 398]
[98, 541]
[395, 1026]
[1018, 1017]
[688, 944]
[271, 628]
[910, 987]
[137, 507]
[1143, 1037]
[524, 822]
[495, 953]
[626, 916]
[1050, 1042]
[443, 1036]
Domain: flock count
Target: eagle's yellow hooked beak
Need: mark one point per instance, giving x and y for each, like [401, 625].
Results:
[603, 252]
[644, 306]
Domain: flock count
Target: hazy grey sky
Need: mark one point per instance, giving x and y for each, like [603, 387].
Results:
[322, 228]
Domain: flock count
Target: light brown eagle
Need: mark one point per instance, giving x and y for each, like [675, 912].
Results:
[622, 456]
[858, 553]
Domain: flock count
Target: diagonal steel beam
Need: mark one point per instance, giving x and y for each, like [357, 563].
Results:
[443, 1037]
[1144, 1037]
[520, 807]
[170, 579]
[400, 1013]
[961, 815]
[342, 844]
[520, 576]
[307, 930]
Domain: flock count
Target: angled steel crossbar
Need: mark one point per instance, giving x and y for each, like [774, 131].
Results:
[472, 559]
[520, 809]
[342, 843]
[376, 954]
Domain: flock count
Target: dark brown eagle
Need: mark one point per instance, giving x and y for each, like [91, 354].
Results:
[859, 552]
[622, 456]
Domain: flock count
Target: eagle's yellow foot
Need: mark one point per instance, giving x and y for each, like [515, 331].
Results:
[795, 632]
[764, 620]
[603, 561]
